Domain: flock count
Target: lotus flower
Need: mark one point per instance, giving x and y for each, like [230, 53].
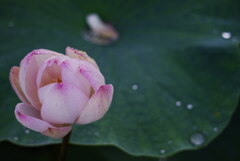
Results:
[59, 90]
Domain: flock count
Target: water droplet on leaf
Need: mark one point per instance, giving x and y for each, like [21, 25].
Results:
[134, 87]
[178, 103]
[189, 106]
[226, 35]
[15, 138]
[197, 139]
[27, 131]
[215, 129]
[162, 151]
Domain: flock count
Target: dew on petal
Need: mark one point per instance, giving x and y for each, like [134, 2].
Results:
[83, 69]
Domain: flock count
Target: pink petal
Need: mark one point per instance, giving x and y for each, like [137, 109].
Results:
[57, 132]
[30, 118]
[97, 105]
[77, 54]
[91, 73]
[28, 73]
[61, 103]
[14, 79]
[62, 69]
[71, 75]
[50, 71]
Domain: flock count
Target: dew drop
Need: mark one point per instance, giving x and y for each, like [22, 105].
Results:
[162, 151]
[27, 131]
[197, 139]
[134, 87]
[82, 69]
[178, 103]
[189, 106]
[215, 129]
[226, 35]
[15, 138]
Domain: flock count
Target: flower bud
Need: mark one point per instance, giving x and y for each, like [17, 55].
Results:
[59, 90]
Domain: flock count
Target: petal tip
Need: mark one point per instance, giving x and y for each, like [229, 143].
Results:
[97, 106]
[14, 80]
[107, 87]
[18, 114]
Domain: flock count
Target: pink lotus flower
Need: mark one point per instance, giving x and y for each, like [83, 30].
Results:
[59, 90]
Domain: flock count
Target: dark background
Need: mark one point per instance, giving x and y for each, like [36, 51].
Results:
[225, 147]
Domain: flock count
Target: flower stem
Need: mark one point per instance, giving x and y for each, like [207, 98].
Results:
[64, 146]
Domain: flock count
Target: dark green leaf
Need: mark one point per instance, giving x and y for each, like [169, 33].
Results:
[172, 50]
